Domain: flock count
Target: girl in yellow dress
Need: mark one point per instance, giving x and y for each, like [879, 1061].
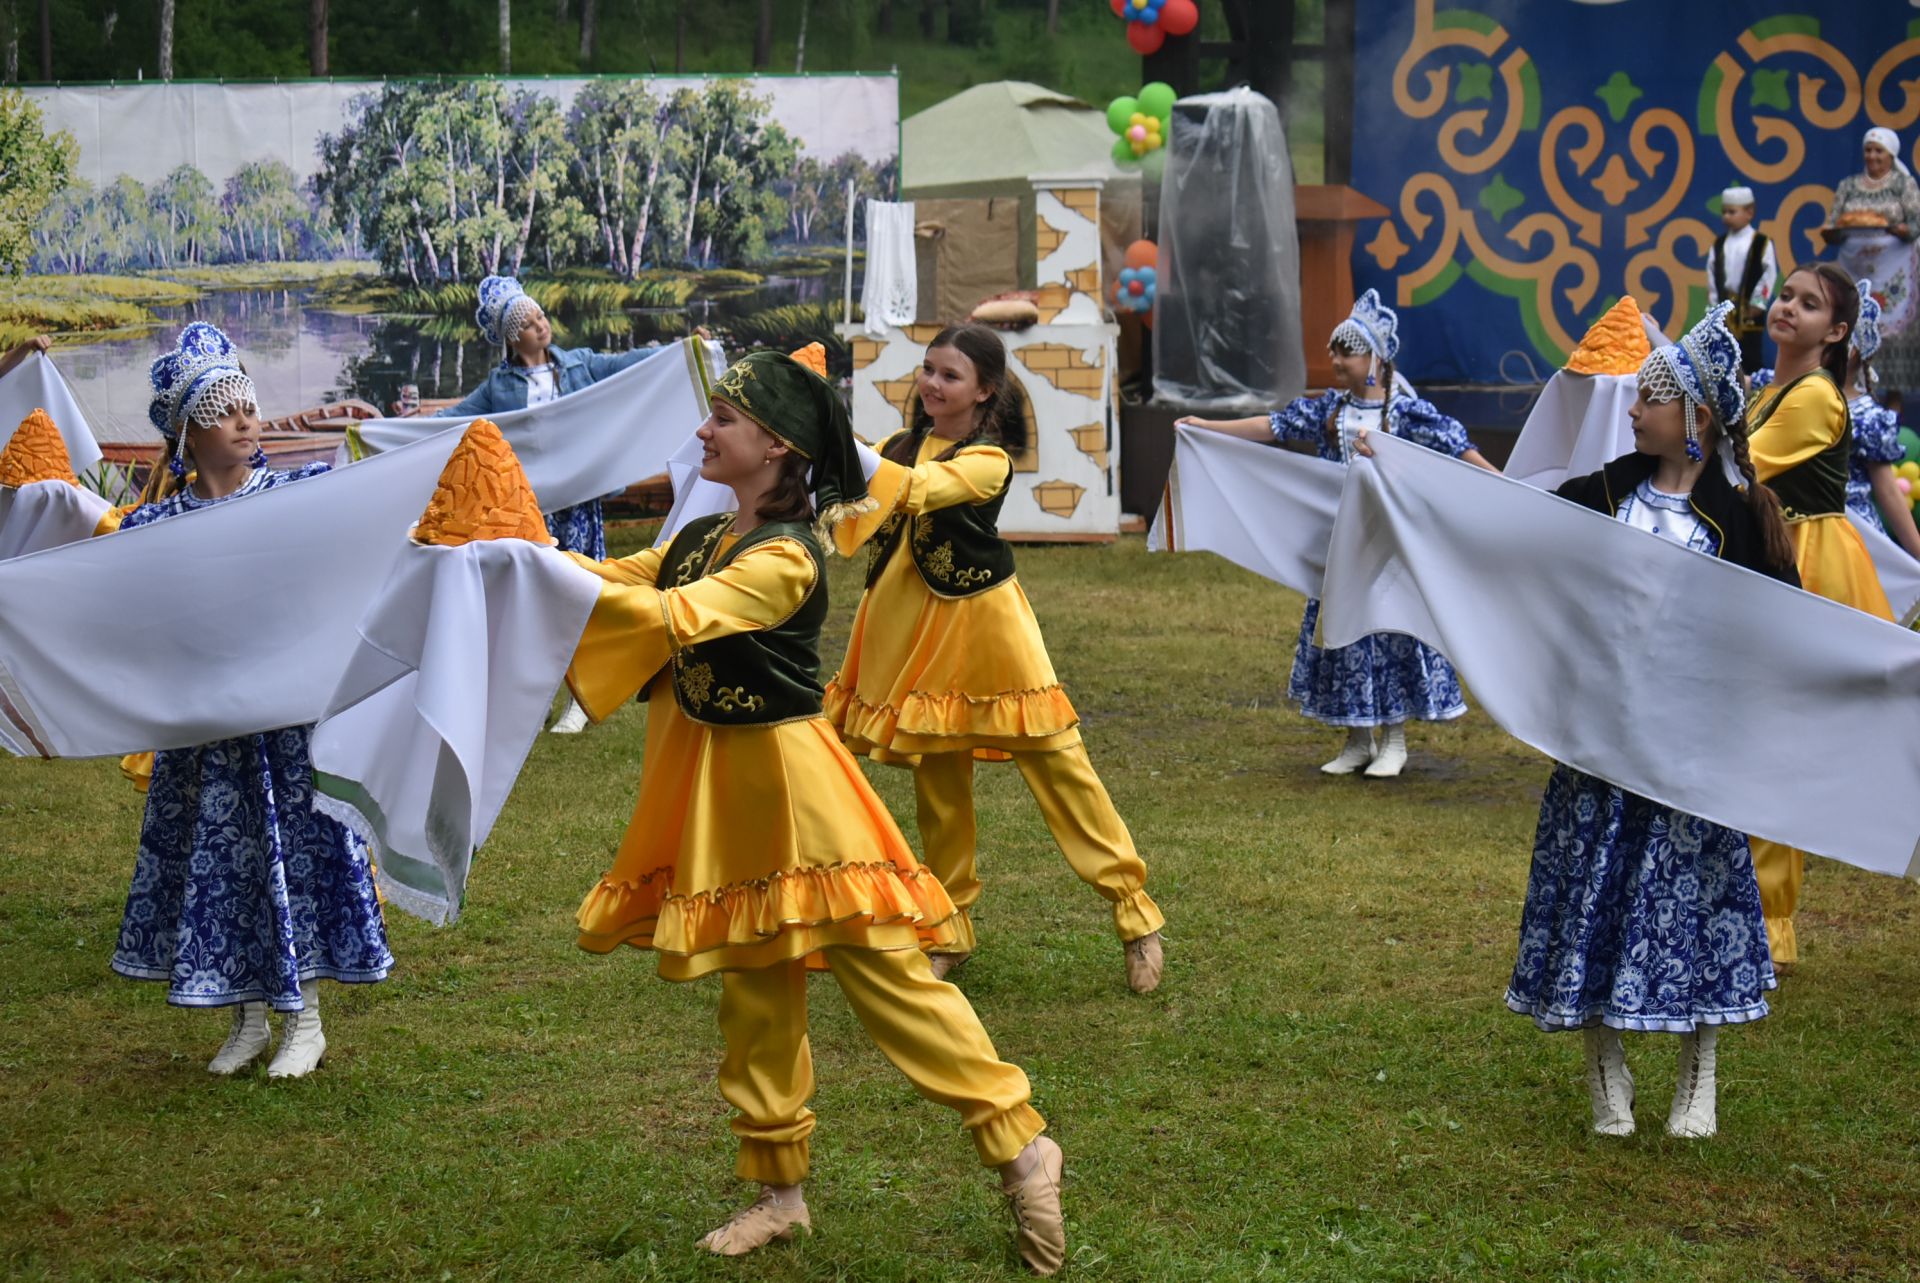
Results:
[1800, 442]
[757, 848]
[946, 664]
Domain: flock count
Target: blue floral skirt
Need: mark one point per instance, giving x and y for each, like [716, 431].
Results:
[1637, 916]
[241, 890]
[580, 529]
[1377, 681]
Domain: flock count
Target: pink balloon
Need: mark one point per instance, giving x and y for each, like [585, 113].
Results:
[1138, 133]
[1906, 486]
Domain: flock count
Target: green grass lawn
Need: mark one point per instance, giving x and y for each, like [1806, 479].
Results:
[1327, 1086]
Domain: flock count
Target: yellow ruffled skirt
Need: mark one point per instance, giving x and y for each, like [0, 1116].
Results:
[752, 846]
[1834, 563]
[929, 674]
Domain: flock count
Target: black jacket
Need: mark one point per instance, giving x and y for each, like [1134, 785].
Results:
[1717, 502]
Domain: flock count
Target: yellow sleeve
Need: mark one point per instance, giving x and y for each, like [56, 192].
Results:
[641, 569]
[110, 521]
[975, 475]
[635, 627]
[1809, 419]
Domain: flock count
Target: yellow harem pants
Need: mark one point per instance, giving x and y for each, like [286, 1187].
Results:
[924, 1026]
[1780, 870]
[1089, 832]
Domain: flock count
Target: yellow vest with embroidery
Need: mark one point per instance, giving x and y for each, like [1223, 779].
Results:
[748, 679]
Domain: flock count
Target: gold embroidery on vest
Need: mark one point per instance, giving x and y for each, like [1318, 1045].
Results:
[696, 681]
[695, 566]
[736, 699]
[967, 576]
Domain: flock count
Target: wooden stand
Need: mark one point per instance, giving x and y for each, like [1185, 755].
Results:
[1326, 217]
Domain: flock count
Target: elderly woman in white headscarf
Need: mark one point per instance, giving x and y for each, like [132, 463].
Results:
[1876, 215]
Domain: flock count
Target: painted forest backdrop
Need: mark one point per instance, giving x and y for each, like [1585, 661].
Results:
[338, 229]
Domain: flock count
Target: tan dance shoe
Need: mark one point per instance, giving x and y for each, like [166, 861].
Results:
[767, 1220]
[1040, 1229]
[1146, 960]
[945, 964]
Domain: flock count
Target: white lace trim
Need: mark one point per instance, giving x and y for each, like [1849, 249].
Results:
[219, 397]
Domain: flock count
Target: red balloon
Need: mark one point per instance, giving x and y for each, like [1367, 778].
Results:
[1119, 8]
[1146, 37]
[1178, 17]
[1136, 288]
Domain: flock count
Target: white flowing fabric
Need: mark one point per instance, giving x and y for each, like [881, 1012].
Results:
[45, 515]
[891, 292]
[1578, 426]
[35, 384]
[1898, 573]
[241, 618]
[1699, 684]
[458, 658]
[606, 436]
[1264, 509]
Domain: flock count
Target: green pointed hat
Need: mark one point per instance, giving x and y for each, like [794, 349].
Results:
[802, 409]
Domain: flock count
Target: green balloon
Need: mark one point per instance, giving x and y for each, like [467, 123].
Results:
[1910, 441]
[1123, 152]
[1156, 100]
[1154, 164]
[1120, 114]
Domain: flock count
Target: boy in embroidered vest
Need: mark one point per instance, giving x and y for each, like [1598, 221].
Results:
[757, 848]
[1742, 268]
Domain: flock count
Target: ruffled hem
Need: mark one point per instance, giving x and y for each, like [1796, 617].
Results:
[1552, 1019]
[793, 913]
[994, 726]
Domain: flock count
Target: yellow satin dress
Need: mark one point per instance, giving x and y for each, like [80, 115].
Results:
[1834, 563]
[760, 851]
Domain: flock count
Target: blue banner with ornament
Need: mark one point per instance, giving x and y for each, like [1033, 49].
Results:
[1542, 158]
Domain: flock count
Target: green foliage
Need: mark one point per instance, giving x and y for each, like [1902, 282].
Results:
[34, 168]
[1327, 1089]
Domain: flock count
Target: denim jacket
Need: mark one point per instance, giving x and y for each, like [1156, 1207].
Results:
[573, 368]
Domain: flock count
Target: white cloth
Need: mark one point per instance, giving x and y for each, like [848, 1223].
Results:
[1899, 574]
[1578, 426]
[606, 436]
[458, 659]
[1264, 509]
[1699, 684]
[36, 384]
[1738, 245]
[891, 294]
[242, 618]
[45, 515]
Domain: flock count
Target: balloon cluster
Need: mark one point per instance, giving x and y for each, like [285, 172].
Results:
[1134, 289]
[1150, 22]
[1143, 122]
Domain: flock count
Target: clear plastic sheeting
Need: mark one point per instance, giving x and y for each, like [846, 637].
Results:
[1226, 333]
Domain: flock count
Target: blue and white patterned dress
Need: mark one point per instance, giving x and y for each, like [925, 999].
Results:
[1639, 916]
[1388, 677]
[240, 889]
[1876, 439]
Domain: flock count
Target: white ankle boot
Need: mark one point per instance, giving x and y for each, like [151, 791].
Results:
[1392, 757]
[1357, 753]
[302, 1042]
[246, 1042]
[1693, 1113]
[1609, 1083]
[571, 722]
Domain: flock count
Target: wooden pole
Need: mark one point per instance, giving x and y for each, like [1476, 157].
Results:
[847, 310]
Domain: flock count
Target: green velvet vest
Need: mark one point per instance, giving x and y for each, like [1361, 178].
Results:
[1816, 487]
[747, 679]
[958, 550]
